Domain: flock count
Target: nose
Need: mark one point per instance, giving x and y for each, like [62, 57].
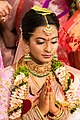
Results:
[48, 47]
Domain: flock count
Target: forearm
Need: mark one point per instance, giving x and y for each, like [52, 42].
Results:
[33, 114]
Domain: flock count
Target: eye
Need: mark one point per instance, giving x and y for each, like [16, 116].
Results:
[40, 41]
[54, 40]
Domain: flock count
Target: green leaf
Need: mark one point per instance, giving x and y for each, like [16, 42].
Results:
[56, 64]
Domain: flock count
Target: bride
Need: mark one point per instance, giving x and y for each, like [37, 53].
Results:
[39, 86]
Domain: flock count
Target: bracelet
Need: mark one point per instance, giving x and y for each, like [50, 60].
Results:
[57, 117]
[60, 113]
[57, 104]
[56, 111]
[38, 112]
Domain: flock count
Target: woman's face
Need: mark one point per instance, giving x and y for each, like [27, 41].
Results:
[43, 47]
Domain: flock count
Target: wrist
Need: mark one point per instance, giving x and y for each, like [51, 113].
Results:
[55, 111]
[57, 116]
[42, 110]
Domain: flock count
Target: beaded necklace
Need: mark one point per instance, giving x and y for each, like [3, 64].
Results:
[37, 75]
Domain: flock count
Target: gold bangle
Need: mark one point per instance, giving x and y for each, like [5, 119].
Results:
[60, 113]
[57, 117]
[38, 112]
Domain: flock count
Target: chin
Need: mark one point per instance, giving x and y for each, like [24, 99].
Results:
[46, 61]
[42, 60]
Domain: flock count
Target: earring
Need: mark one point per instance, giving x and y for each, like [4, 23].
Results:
[55, 57]
[27, 57]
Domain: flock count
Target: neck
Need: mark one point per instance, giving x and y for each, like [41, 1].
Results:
[39, 70]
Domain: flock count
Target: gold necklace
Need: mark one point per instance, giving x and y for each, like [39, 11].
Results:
[35, 82]
[39, 70]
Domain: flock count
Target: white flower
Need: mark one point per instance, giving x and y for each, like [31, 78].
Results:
[19, 78]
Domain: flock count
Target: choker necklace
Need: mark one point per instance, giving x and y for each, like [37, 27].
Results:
[38, 70]
[37, 75]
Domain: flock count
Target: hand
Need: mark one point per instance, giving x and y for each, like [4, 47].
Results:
[44, 100]
[52, 98]
[5, 10]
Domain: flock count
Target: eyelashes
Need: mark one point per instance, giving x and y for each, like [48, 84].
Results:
[42, 40]
[39, 43]
[53, 42]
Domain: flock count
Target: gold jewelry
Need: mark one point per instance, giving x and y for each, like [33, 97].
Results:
[38, 112]
[34, 81]
[38, 70]
[48, 29]
[57, 117]
[42, 11]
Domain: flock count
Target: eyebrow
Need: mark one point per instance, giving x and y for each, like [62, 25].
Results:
[45, 39]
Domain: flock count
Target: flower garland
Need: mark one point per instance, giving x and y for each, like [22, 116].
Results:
[20, 88]
[19, 92]
[66, 79]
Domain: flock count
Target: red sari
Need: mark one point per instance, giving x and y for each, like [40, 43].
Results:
[69, 37]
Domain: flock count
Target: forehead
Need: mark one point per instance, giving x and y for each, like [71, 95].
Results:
[39, 31]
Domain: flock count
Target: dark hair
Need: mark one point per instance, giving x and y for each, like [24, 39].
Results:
[32, 20]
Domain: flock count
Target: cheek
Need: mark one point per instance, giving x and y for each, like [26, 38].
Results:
[35, 50]
[55, 47]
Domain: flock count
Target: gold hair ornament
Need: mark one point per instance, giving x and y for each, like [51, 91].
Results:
[42, 11]
[48, 30]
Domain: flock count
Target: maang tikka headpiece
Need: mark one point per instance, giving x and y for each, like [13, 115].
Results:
[48, 29]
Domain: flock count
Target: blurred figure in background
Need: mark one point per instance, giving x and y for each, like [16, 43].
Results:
[11, 13]
[69, 36]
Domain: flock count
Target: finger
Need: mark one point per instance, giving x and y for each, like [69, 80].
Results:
[7, 12]
[52, 93]
[3, 12]
[46, 95]
[0, 14]
[44, 87]
[6, 8]
[9, 6]
[44, 91]
[4, 19]
[48, 79]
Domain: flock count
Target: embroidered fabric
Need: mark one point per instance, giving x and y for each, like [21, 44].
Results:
[6, 79]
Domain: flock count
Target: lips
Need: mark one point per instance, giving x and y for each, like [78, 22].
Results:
[47, 56]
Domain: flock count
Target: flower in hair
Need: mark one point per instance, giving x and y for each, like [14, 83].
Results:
[40, 10]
